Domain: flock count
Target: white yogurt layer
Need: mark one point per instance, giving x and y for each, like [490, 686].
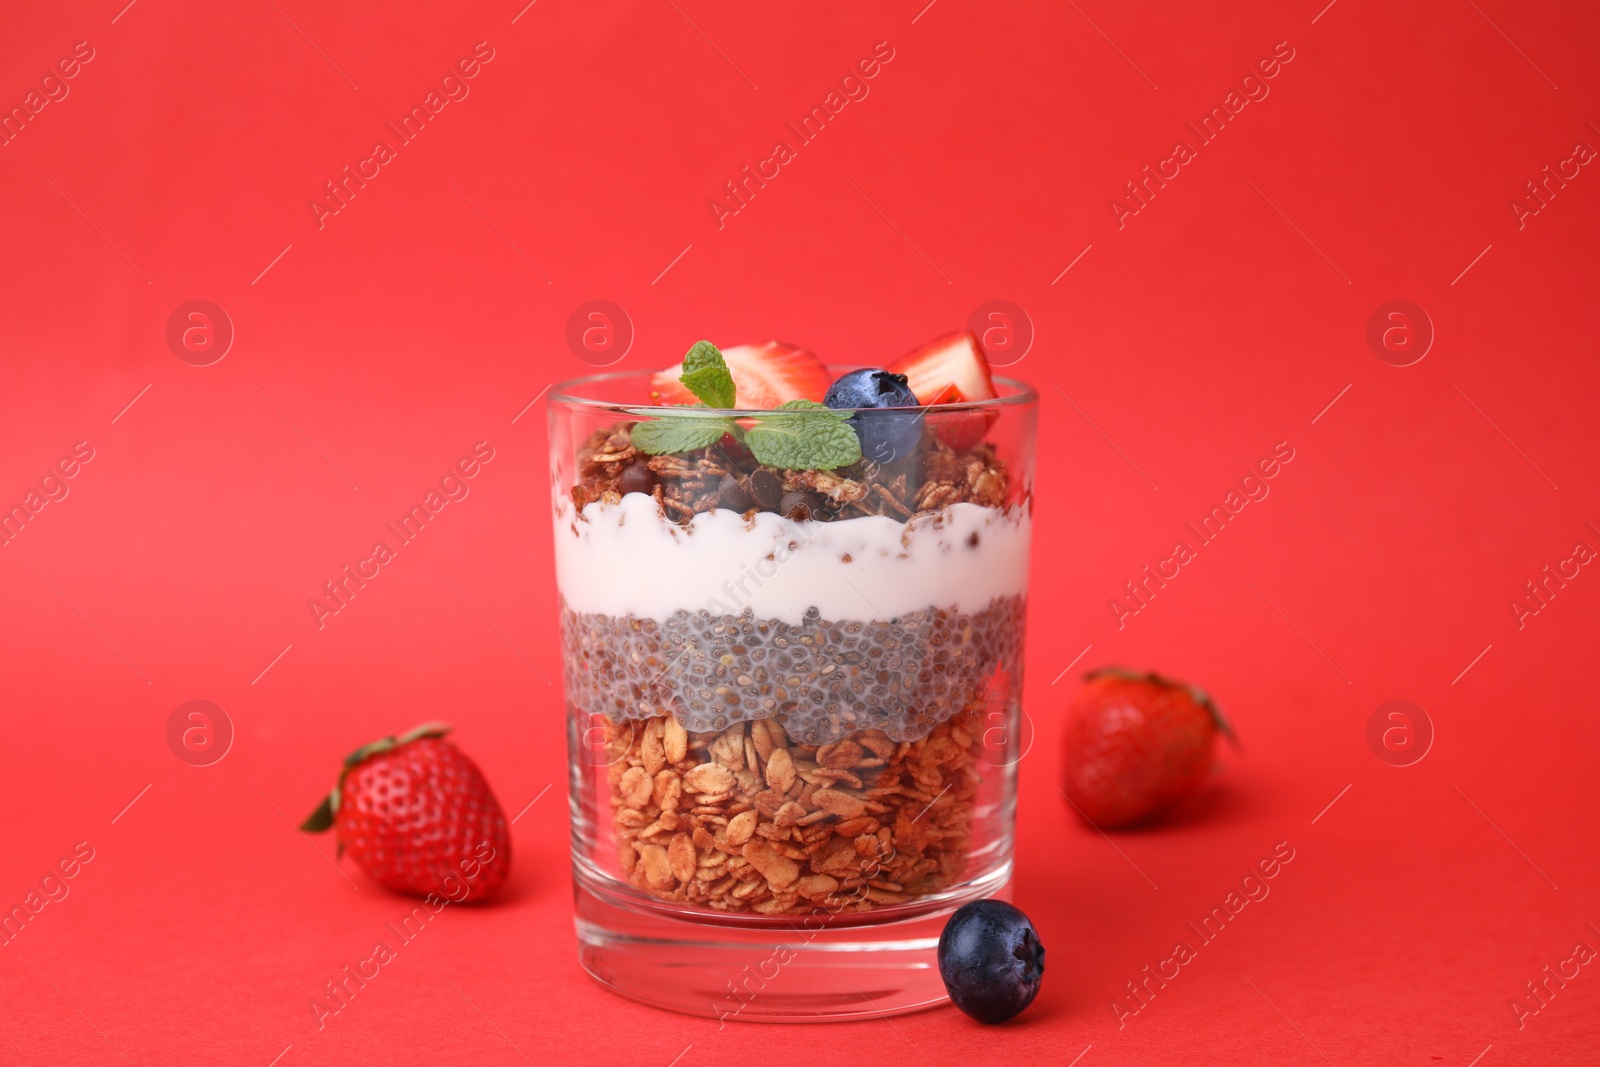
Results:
[627, 559]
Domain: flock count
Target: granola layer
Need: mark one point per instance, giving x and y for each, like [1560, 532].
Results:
[748, 819]
[727, 476]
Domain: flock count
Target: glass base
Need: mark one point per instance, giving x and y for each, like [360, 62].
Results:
[790, 969]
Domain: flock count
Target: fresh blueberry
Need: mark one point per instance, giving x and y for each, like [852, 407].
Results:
[991, 960]
[885, 436]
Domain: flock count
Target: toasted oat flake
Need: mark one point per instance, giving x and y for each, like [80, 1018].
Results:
[635, 787]
[709, 778]
[780, 770]
[675, 741]
[778, 869]
[740, 827]
[657, 869]
[681, 858]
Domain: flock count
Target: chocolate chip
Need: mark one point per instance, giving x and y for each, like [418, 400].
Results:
[637, 478]
[801, 506]
[972, 539]
[732, 495]
[765, 489]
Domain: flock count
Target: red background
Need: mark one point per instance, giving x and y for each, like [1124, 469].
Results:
[1222, 319]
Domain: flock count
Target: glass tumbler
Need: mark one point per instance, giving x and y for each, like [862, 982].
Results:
[792, 698]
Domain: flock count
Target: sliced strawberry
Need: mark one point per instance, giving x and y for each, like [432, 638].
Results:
[666, 389]
[955, 359]
[961, 430]
[764, 376]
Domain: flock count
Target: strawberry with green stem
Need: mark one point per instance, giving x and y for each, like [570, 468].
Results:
[417, 815]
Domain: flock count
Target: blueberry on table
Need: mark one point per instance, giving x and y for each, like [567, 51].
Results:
[885, 436]
[991, 960]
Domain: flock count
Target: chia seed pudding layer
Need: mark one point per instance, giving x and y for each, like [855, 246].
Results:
[819, 679]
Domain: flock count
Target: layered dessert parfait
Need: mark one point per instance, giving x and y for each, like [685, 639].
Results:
[792, 607]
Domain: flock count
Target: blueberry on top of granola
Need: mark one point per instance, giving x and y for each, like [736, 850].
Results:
[885, 435]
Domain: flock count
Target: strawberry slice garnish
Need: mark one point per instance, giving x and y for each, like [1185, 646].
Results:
[764, 376]
[960, 430]
[955, 359]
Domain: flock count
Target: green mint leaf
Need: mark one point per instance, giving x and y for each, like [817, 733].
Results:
[703, 354]
[705, 374]
[812, 405]
[804, 435]
[670, 434]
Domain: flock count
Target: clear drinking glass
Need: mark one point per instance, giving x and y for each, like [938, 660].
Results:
[792, 701]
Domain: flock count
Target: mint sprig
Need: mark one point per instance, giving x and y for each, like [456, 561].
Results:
[706, 375]
[804, 435]
[796, 435]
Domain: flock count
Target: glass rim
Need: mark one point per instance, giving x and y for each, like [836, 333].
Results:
[564, 392]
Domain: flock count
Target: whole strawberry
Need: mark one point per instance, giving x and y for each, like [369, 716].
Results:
[1136, 745]
[416, 814]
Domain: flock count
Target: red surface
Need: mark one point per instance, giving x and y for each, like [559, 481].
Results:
[1219, 321]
